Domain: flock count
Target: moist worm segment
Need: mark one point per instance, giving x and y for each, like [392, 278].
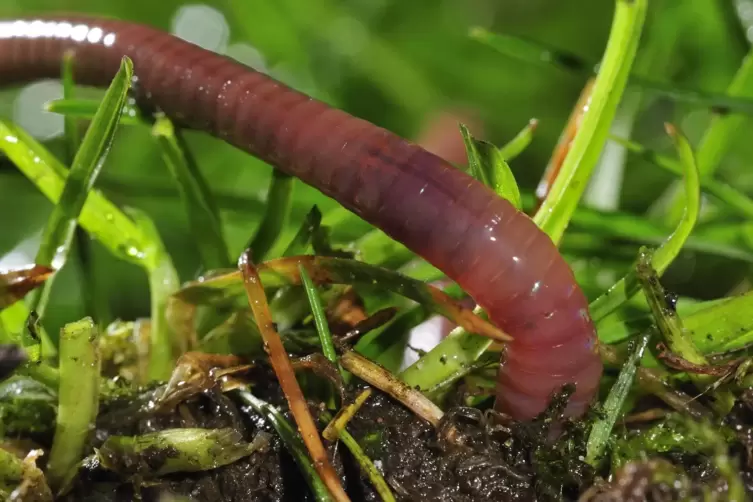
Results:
[494, 252]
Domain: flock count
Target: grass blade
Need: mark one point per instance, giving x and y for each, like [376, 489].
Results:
[487, 164]
[305, 235]
[276, 213]
[163, 282]
[78, 395]
[72, 135]
[663, 257]
[557, 209]
[320, 318]
[198, 202]
[283, 369]
[87, 108]
[520, 142]
[291, 440]
[602, 428]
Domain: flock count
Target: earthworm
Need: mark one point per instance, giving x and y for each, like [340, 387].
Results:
[494, 252]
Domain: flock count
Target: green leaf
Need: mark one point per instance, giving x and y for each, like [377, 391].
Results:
[602, 428]
[71, 125]
[276, 214]
[292, 441]
[302, 240]
[78, 398]
[203, 215]
[557, 210]
[663, 257]
[487, 164]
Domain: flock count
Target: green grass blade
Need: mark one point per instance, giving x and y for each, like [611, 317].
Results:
[730, 197]
[602, 428]
[302, 240]
[292, 441]
[487, 164]
[84, 171]
[203, 216]
[100, 217]
[663, 257]
[72, 135]
[87, 108]
[276, 213]
[78, 398]
[320, 318]
[364, 462]
[163, 282]
[558, 208]
[520, 142]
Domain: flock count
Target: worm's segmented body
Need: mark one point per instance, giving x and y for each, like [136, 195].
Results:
[496, 253]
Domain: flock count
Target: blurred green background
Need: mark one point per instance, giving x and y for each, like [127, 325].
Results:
[396, 64]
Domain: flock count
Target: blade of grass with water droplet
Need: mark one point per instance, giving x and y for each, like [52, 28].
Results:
[557, 210]
[667, 252]
[520, 142]
[87, 108]
[199, 204]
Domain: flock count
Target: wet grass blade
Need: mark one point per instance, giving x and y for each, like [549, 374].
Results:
[291, 440]
[200, 207]
[667, 252]
[78, 398]
[283, 369]
[557, 210]
[320, 318]
[276, 212]
[602, 428]
[163, 282]
[227, 289]
[487, 164]
[87, 108]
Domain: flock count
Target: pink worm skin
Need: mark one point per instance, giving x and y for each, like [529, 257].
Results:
[494, 252]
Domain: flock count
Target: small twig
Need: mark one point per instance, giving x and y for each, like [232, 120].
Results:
[286, 376]
[385, 381]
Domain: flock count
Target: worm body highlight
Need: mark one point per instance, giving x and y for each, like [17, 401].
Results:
[494, 252]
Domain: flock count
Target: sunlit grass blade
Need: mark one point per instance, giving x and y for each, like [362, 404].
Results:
[729, 196]
[203, 216]
[602, 428]
[163, 282]
[72, 135]
[291, 440]
[87, 108]
[285, 374]
[78, 398]
[227, 289]
[100, 217]
[520, 142]
[721, 325]
[276, 212]
[663, 257]
[320, 318]
[487, 164]
[530, 51]
[556, 211]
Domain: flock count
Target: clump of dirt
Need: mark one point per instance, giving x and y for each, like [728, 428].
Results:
[471, 456]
